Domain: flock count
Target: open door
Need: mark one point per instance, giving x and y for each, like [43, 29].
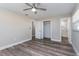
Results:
[33, 31]
[46, 30]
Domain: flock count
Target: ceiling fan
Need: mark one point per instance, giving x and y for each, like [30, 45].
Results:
[34, 7]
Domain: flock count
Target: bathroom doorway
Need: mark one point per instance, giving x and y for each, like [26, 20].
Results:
[46, 30]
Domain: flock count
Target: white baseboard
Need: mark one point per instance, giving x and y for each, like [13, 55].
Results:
[11, 45]
[56, 40]
[76, 51]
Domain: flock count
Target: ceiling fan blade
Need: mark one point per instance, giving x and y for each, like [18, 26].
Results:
[41, 9]
[29, 5]
[27, 9]
[34, 5]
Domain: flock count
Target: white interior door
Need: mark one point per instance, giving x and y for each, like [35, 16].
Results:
[39, 29]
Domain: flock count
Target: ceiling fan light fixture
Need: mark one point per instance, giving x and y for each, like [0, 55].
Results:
[33, 9]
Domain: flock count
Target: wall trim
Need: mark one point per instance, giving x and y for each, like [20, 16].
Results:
[56, 40]
[14, 44]
[76, 51]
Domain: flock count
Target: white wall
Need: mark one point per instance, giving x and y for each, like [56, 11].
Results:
[75, 32]
[14, 28]
[64, 27]
[55, 30]
[69, 29]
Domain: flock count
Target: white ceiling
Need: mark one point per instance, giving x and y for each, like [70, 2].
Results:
[53, 9]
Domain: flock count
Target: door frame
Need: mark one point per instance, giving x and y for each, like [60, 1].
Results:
[43, 27]
[69, 30]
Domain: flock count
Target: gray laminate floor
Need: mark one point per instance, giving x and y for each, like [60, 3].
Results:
[39, 48]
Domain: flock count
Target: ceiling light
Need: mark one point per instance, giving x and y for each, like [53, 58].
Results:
[77, 27]
[33, 9]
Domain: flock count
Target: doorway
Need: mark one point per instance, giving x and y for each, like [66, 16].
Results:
[46, 30]
[64, 24]
[33, 31]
